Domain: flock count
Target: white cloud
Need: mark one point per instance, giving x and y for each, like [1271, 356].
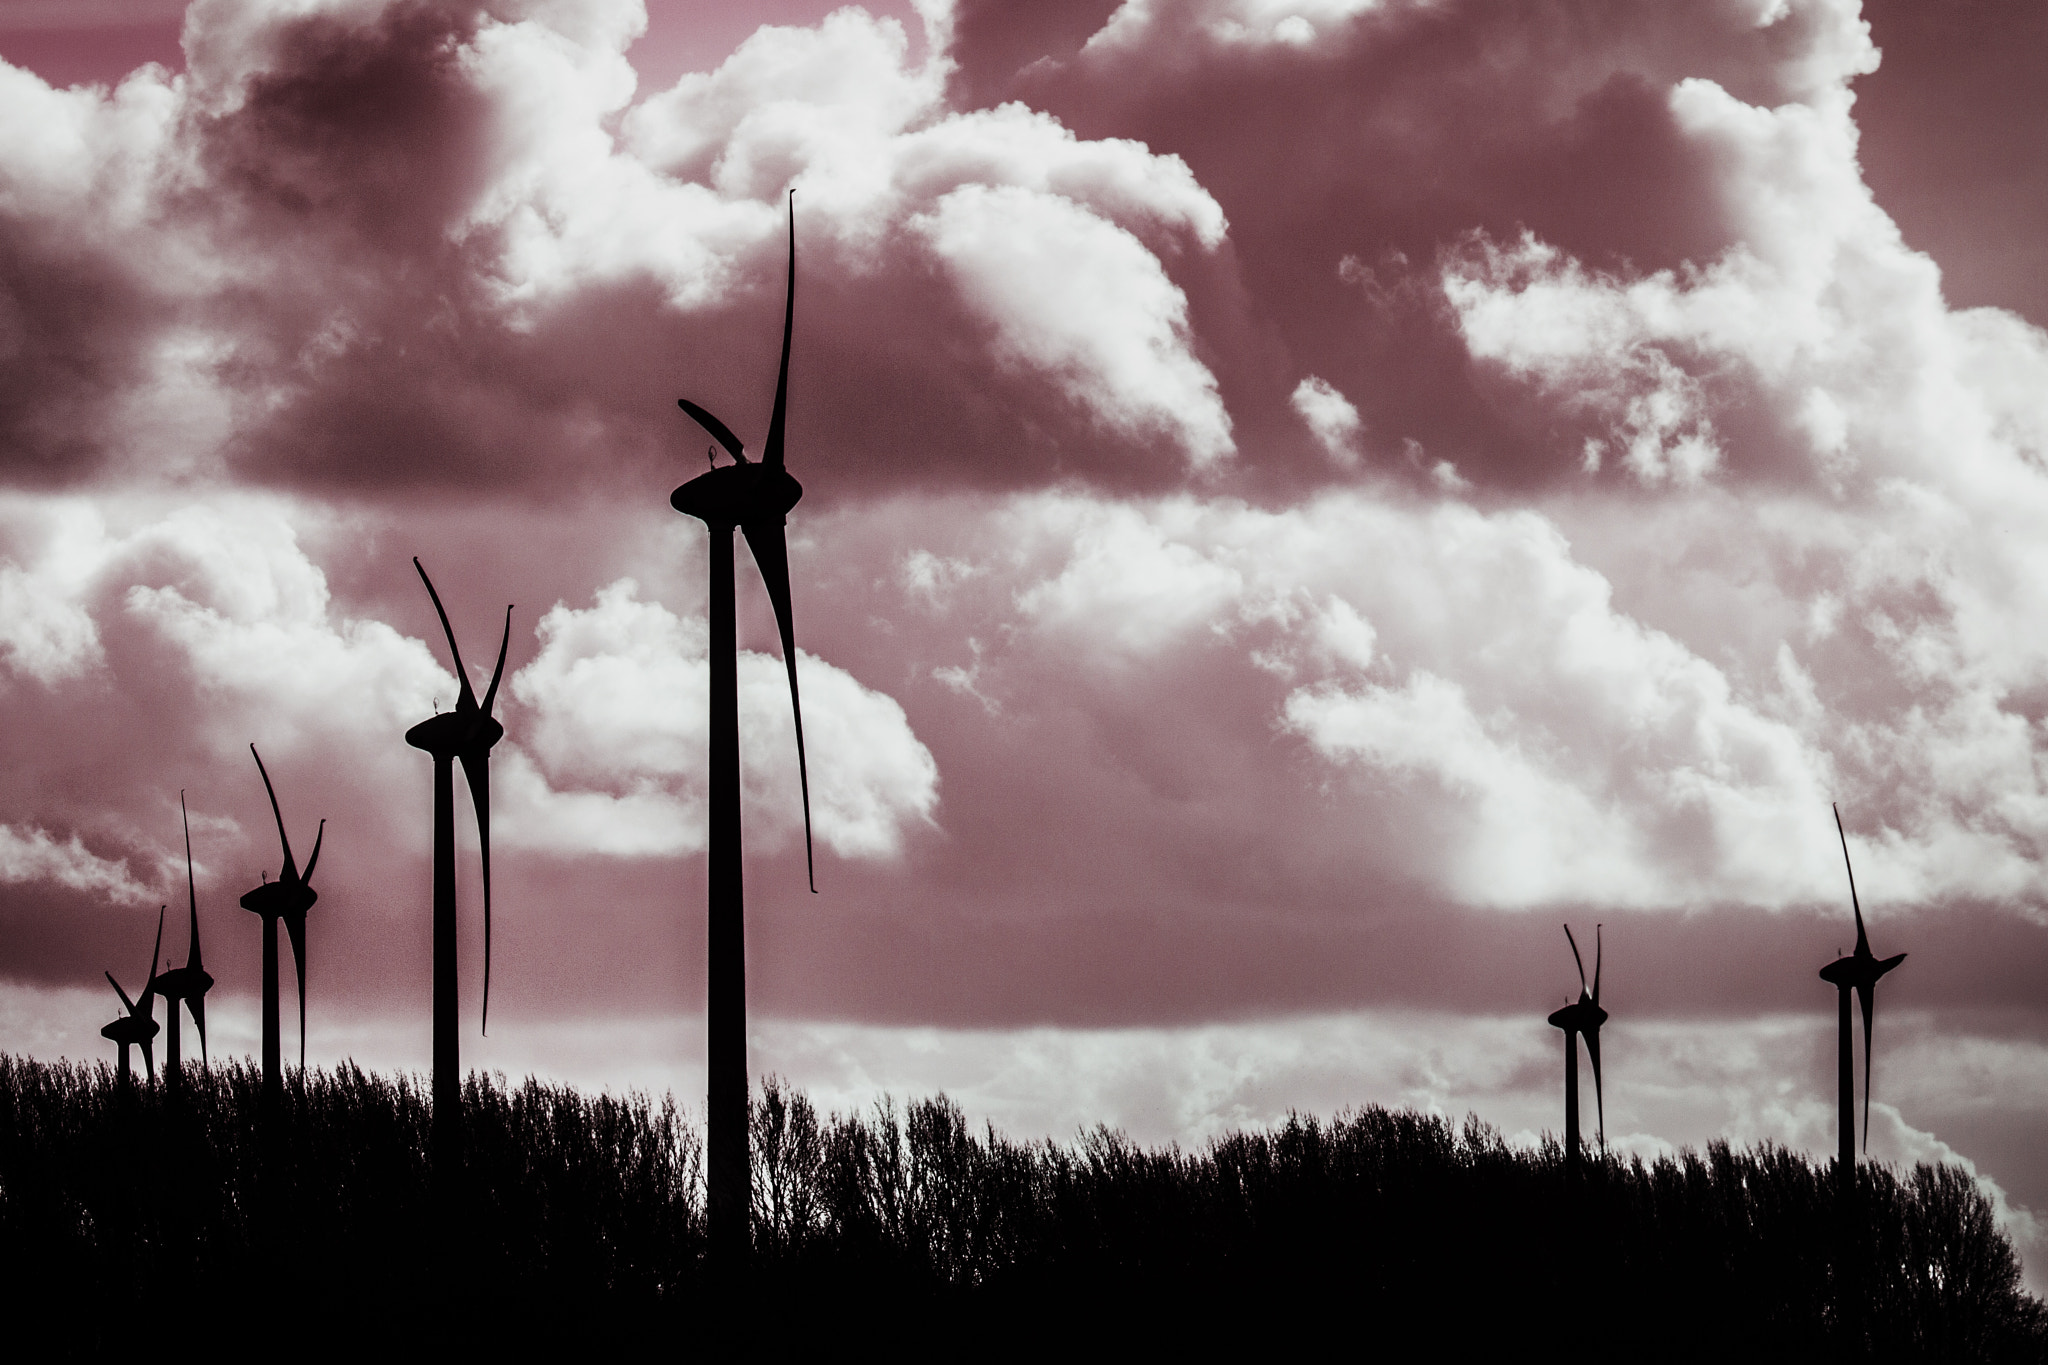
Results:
[1331, 417]
[617, 733]
[30, 856]
[1081, 300]
[1544, 746]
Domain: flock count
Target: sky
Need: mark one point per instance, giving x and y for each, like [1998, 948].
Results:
[1303, 498]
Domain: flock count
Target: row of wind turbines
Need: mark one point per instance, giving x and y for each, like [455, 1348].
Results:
[287, 899]
[1858, 971]
[753, 497]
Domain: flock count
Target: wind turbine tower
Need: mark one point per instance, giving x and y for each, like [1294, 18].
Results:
[755, 498]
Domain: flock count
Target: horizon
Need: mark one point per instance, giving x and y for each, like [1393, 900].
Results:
[1302, 500]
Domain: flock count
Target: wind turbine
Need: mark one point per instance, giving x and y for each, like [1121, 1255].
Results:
[1859, 971]
[138, 1027]
[188, 983]
[288, 899]
[466, 734]
[1582, 1016]
[756, 498]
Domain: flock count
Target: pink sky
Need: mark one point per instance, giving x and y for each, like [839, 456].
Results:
[1303, 496]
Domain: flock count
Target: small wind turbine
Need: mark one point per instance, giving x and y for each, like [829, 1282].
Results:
[288, 899]
[466, 734]
[1582, 1016]
[138, 1027]
[188, 983]
[1859, 971]
[756, 498]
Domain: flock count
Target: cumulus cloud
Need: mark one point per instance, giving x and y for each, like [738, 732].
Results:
[1082, 300]
[260, 235]
[619, 695]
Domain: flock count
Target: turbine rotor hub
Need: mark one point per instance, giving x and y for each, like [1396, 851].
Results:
[738, 495]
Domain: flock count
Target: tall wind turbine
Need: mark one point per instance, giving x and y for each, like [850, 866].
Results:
[756, 498]
[1582, 1016]
[137, 1028]
[288, 899]
[466, 734]
[188, 983]
[1859, 971]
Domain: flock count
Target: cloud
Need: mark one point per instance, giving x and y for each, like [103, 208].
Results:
[365, 248]
[1331, 416]
[618, 695]
[1082, 300]
[33, 856]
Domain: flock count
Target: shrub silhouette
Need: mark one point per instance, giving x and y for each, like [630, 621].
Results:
[581, 1221]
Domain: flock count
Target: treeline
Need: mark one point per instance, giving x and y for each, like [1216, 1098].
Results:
[578, 1221]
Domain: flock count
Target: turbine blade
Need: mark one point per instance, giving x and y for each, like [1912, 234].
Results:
[491, 696]
[771, 553]
[1866, 996]
[720, 432]
[477, 768]
[126, 1003]
[197, 1004]
[295, 926]
[291, 868]
[1576, 958]
[771, 451]
[314, 861]
[1599, 952]
[1862, 939]
[1599, 1098]
[192, 955]
[467, 696]
[149, 1056]
[156, 955]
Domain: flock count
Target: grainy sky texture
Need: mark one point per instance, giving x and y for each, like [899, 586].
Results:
[1303, 496]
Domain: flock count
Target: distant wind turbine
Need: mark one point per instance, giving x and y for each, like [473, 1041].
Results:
[1860, 972]
[288, 899]
[465, 734]
[188, 983]
[1582, 1016]
[138, 1027]
[756, 498]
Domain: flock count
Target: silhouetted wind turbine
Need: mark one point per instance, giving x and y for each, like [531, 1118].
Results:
[137, 1028]
[466, 733]
[1582, 1016]
[756, 498]
[188, 983]
[288, 899]
[1859, 971]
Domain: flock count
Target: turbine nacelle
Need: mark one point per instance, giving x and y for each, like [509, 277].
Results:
[1581, 1016]
[280, 899]
[739, 495]
[1859, 971]
[455, 734]
[130, 1029]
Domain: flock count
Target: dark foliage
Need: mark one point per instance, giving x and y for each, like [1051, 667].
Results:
[579, 1221]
